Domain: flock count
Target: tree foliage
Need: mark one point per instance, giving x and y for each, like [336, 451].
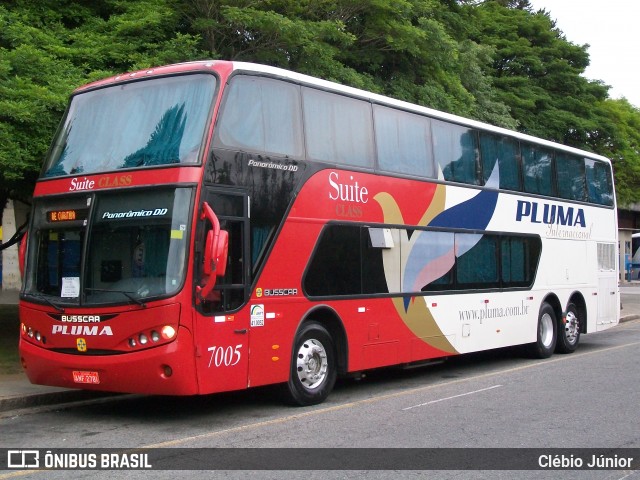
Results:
[49, 47]
[497, 61]
[623, 148]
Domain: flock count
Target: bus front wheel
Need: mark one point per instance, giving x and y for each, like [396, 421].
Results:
[545, 343]
[313, 366]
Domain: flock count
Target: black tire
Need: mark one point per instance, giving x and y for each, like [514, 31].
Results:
[313, 369]
[569, 331]
[547, 336]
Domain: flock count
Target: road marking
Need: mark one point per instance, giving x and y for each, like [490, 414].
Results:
[451, 398]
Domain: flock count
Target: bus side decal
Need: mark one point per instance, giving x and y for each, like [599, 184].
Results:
[428, 258]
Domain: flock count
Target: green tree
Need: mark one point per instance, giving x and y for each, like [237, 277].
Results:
[623, 148]
[537, 72]
[49, 47]
[402, 48]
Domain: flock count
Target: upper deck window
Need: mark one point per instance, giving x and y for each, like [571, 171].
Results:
[505, 152]
[338, 128]
[570, 173]
[599, 185]
[140, 124]
[537, 167]
[456, 151]
[262, 115]
[404, 142]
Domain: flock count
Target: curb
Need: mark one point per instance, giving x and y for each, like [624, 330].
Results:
[50, 398]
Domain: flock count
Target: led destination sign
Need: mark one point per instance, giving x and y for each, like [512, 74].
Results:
[68, 215]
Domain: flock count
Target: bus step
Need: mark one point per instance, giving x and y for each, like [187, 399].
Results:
[424, 363]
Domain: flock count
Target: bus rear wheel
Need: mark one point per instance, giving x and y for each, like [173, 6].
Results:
[569, 332]
[546, 340]
[313, 366]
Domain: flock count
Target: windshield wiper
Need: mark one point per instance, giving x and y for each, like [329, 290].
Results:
[126, 294]
[46, 300]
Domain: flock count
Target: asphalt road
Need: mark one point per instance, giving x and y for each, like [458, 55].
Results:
[493, 399]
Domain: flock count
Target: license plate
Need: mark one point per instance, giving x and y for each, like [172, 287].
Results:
[86, 377]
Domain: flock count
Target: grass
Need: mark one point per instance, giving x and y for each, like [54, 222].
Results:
[9, 331]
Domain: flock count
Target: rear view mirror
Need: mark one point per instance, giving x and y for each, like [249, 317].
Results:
[216, 252]
[22, 253]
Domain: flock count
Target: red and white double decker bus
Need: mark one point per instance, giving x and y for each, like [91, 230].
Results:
[213, 226]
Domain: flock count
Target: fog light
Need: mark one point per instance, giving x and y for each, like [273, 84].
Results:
[167, 370]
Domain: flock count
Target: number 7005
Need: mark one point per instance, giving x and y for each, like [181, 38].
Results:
[225, 356]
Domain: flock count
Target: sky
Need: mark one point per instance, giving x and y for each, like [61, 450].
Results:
[612, 30]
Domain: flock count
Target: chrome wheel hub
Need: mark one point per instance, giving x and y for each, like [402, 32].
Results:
[312, 364]
[571, 327]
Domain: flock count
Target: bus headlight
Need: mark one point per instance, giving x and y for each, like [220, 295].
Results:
[149, 338]
[32, 334]
[168, 332]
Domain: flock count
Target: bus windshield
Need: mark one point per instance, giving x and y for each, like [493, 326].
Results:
[116, 254]
[145, 123]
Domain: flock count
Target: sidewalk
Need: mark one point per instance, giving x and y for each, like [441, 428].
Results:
[17, 392]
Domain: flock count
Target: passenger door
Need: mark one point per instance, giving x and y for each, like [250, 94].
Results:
[221, 333]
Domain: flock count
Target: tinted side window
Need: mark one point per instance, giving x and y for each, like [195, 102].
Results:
[347, 262]
[338, 129]
[519, 257]
[335, 268]
[403, 141]
[599, 186]
[477, 263]
[431, 261]
[456, 150]
[570, 172]
[506, 152]
[262, 115]
[537, 166]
